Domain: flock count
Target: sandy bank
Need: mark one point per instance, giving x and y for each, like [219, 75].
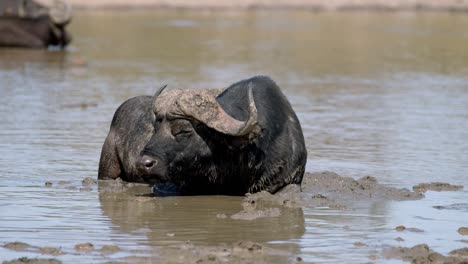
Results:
[315, 5]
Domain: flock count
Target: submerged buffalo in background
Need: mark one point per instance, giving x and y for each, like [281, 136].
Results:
[26, 23]
[247, 139]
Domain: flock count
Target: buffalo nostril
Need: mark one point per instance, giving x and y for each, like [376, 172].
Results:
[149, 163]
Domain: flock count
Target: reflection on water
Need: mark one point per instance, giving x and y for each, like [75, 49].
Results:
[377, 94]
[198, 219]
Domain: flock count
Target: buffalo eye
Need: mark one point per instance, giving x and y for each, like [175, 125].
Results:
[158, 118]
[157, 122]
[181, 127]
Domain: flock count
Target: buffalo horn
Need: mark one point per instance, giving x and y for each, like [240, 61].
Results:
[158, 92]
[60, 12]
[209, 112]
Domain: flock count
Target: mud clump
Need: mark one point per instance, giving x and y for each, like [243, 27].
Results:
[17, 246]
[252, 214]
[463, 231]
[458, 206]
[117, 186]
[400, 228]
[238, 252]
[420, 254]
[143, 199]
[51, 251]
[359, 244]
[436, 186]
[410, 229]
[248, 245]
[20, 246]
[261, 205]
[88, 181]
[33, 261]
[463, 252]
[84, 247]
[110, 249]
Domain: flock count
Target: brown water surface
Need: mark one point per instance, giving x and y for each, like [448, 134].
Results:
[380, 94]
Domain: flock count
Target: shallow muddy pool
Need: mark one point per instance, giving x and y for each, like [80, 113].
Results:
[378, 94]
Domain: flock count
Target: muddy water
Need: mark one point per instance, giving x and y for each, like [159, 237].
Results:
[380, 94]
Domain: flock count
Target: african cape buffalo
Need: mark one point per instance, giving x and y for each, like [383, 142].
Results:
[26, 23]
[246, 139]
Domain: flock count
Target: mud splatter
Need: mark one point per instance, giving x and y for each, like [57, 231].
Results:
[359, 244]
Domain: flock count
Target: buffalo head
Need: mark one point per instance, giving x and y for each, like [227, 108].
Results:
[27, 23]
[190, 125]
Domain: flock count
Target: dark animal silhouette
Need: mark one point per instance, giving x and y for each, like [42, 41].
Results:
[25, 23]
[187, 142]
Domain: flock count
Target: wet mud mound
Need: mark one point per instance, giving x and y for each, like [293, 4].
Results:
[237, 252]
[117, 187]
[367, 188]
[420, 254]
[24, 247]
[328, 189]
[25, 260]
[437, 187]
[463, 231]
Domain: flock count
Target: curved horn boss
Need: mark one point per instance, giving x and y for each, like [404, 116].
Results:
[202, 106]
